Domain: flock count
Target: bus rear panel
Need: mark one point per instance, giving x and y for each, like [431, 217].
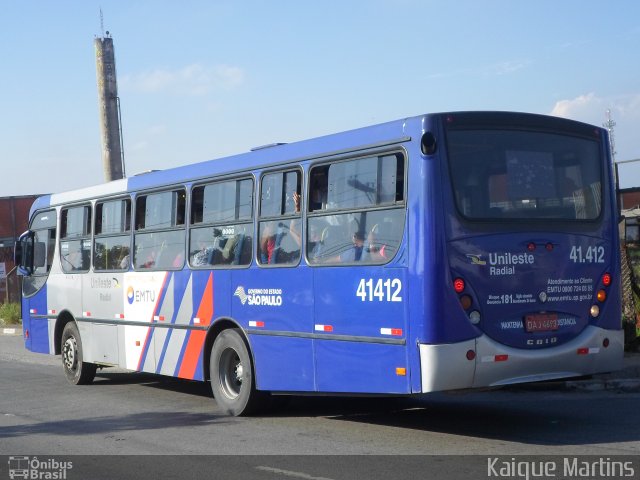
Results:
[532, 254]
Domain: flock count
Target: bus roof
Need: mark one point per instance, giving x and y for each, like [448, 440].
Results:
[385, 133]
[390, 132]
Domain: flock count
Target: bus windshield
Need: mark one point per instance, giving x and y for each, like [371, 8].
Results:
[532, 175]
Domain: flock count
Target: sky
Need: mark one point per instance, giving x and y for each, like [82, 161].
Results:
[202, 79]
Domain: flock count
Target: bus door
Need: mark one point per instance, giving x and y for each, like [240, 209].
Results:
[66, 290]
[104, 288]
[35, 252]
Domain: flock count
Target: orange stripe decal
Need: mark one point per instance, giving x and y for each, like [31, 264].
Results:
[193, 352]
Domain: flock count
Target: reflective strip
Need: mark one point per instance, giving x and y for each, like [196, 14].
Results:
[588, 351]
[33, 311]
[324, 328]
[256, 323]
[158, 318]
[196, 321]
[396, 332]
[119, 316]
[495, 358]
[52, 312]
[86, 314]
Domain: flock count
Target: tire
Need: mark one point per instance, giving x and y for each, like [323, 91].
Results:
[232, 375]
[77, 371]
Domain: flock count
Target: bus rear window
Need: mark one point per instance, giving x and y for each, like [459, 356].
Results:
[510, 174]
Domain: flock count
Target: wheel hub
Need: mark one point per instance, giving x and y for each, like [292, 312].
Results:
[231, 373]
[239, 370]
[69, 356]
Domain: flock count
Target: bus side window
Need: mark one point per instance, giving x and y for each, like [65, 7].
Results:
[112, 237]
[221, 215]
[280, 229]
[75, 239]
[160, 234]
[44, 229]
[363, 219]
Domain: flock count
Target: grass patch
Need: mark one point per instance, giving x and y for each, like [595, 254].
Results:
[10, 314]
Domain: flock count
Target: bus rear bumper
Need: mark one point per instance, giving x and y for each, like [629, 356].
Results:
[447, 367]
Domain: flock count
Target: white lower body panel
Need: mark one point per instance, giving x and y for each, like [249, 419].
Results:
[446, 367]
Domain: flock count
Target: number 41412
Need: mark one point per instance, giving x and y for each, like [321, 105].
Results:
[388, 290]
[589, 255]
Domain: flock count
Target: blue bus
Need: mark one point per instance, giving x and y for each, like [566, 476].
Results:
[444, 251]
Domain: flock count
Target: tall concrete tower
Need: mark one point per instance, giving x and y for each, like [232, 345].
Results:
[109, 103]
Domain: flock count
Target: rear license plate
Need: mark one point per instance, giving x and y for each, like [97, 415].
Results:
[541, 322]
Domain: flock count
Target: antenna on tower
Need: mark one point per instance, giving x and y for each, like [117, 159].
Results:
[101, 23]
[609, 124]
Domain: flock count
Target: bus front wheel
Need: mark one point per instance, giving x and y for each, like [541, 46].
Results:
[232, 379]
[77, 371]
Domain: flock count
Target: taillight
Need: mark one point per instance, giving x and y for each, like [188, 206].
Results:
[458, 285]
[606, 279]
[466, 302]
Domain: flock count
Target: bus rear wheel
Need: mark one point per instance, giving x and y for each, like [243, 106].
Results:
[77, 371]
[232, 377]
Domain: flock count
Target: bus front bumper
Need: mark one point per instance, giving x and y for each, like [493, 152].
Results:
[482, 362]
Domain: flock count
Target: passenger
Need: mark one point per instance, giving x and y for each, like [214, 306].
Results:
[319, 190]
[294, 224]
[124, 263]
[178, 260]
[354, 253]
[229, 252]
[314, 245]
[267, 243]
[296, 201]
[375, 251]
[276, 244]
[204, 253]
[146, 253]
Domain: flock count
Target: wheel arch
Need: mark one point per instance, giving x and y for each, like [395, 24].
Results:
[217, 327]
[63, 318]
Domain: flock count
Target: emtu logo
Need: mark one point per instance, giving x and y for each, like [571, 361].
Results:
[241, 294]
[130, 295]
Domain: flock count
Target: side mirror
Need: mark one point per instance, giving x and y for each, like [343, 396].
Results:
[24, 253]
